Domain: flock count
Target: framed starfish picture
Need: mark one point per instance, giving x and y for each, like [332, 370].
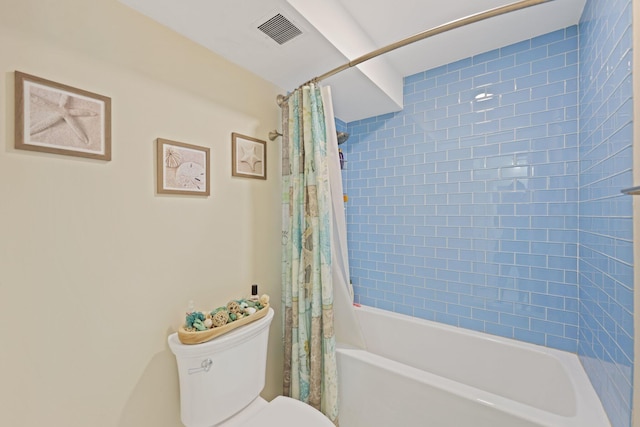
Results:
[182, 168]
[248, 157]
[60, 119]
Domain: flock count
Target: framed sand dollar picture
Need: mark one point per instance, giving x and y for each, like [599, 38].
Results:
[182, 168]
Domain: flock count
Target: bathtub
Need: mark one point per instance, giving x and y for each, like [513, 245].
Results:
[421, 373]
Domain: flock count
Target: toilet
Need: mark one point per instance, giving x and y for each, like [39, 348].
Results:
[221, 381]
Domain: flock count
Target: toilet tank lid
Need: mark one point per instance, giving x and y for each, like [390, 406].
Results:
[223, 342]
[287, 412]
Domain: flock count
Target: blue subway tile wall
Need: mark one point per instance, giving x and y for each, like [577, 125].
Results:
[463, 207]
[605, 250]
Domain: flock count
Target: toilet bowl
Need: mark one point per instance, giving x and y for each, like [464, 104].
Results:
[280, 412]
[221, 380]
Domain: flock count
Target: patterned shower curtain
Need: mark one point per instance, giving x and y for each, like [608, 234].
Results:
[310, 372]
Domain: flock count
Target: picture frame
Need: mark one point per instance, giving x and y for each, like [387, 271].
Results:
[248, 157]
[182, 168]
[56, 118]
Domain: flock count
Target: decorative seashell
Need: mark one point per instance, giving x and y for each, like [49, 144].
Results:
[264, 299]
[220, 318]
[250, 310]
[233, 307]
[208, 322]
[173, 158]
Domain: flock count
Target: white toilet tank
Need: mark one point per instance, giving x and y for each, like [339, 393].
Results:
[221, 377]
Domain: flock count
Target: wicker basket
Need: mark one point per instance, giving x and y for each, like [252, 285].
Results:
[198, 337]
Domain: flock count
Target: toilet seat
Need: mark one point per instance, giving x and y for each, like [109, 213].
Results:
[287, 412]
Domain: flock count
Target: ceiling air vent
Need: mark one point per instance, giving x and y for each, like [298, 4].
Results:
[280, 29]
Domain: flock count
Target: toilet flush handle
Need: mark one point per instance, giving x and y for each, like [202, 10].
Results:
[204, 366]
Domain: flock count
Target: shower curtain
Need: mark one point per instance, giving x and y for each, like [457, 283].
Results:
[310, 371]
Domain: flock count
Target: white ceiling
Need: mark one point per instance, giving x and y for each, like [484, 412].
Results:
[336, 31]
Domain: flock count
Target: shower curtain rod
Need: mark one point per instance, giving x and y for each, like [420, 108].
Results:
[512, 7]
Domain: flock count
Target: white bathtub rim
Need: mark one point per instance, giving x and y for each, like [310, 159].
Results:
[589, 410]
[463, 331]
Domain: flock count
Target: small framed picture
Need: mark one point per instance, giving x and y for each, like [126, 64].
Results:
[248, 157]
[182, 168]
[60, 119]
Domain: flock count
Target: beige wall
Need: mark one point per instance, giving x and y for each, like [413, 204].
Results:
[95, 268]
